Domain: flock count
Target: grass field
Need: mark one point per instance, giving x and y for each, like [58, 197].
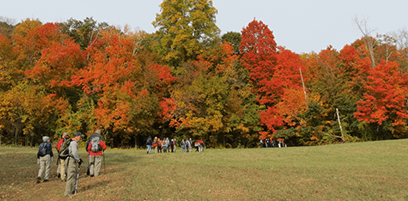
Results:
[354, 171]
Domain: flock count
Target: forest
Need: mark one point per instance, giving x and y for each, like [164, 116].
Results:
[187, 80]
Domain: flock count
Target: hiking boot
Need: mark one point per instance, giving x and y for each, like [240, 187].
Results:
[92, 175]
[38, 180]
[45, 180]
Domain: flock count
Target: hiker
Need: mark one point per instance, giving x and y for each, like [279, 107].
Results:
[44, 159]
[164, 145]
[98, 135]
[273, 143]
[190, 148]
[261, 143]
[168, 145]
[149, 144]
[197, 145]
[183, 146]
[201, 145]
[73, 163]
[155, 143]
[188, 145]
[174, 145]
[61, 170]
[159, 145]
[96, 150]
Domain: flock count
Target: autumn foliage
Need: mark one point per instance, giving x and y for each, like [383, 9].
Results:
[185, 80]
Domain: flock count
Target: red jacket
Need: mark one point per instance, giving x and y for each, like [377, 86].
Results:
[59, 145]
[103, 145]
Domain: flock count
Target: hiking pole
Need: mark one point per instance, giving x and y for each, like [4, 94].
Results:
[76, 182]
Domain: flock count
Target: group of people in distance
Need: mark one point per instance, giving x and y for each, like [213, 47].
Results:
[68, 162]
[169, 146]
[271, 142]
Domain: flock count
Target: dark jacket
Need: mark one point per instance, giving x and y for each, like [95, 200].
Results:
[48, 149]
[149, 141]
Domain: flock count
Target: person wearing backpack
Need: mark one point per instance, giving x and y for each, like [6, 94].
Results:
[44, 158]
[73, 164]
[164, 145]
[95, 148]
[171, 146]
[61, 161]
[168, 145]
[155, 144]
[149, 145]
[183, 146]
[98, 135]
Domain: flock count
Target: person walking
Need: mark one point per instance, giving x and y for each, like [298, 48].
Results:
[159, 145]
[201, 145]
[149, 143]
[165, 145]
[96, 150]
[174, 145]
[61, 170]
[190, 148]
[168, 145]
[74, 162]
[44, 158]
[155, 145]
[183, 145]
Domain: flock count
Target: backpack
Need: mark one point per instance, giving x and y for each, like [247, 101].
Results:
[42, 150]
[64, 151]
[164, 142]
[95, 147]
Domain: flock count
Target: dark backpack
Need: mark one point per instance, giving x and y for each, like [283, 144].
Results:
[96, 146]
[42, 150]
[64, 151]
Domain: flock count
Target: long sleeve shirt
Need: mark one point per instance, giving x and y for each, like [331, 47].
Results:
[73, 149]
[103, 146]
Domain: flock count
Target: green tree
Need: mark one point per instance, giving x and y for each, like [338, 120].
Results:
[83, 32]
[186, 28]
[234, 38]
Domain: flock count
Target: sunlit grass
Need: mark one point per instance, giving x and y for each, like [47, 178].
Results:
[367, 171]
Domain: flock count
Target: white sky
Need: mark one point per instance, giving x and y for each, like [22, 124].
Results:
[299, 25]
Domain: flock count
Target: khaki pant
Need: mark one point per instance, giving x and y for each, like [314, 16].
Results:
[156, 150]
[95, 163]
[72, 171]
[62, 168]
[45, 165]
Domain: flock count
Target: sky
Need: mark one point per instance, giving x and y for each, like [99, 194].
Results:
[299, 25]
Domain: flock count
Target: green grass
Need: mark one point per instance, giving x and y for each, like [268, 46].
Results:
[353, 171]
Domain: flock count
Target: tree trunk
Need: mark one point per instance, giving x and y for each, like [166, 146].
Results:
[136, 142]
[15, 136]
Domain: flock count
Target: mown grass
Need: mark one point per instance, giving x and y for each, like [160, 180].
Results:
[353, 171]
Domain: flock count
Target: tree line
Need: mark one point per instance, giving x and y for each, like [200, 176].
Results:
[187, 80]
